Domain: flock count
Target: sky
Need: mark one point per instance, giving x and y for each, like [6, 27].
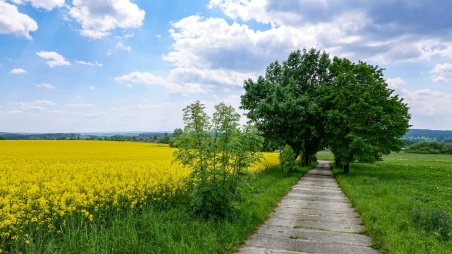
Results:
[133, 65]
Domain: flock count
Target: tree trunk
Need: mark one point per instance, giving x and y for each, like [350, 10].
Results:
[305, 158]
[347, 168]
[337, 163]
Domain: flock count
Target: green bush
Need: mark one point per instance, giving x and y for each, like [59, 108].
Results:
[218, 151]
[287, 159]
[427, 147]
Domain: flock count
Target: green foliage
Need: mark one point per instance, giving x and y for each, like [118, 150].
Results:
[430, 147]
[2, 138]
[310, 102]
[283, 104]
[173, 138]
[364, 119]
[218, 151]
[405, 201]
[287, 159]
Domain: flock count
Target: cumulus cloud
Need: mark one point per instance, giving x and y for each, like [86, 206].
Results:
[34, 105]
[14, 22]
[395, 83]
[147, 78]
[97, 64]
[98, 18]
[439, 79]
[217, 55]
[53, 58]
[428, 102]
[18, 71]
[440, 71]
[379, 31]
[45, 86]
[47, 5]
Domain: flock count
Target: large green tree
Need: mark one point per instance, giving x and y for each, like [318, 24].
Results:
[284, 103]
[364, 118]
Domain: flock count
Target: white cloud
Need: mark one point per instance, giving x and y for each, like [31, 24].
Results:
[90, 63]
[147, 78]
[53, 58]
[445, 68]
[45, 86]
[350, 31]
[92, 88]
[42, 4]
[121, 46]
[216, 54]
[440, 71]
[98, 18]
[80, 105]
[427, 102]
[12, 21]
[439, 79]
[34, 105]
[18, 71]
[244, 9]
[395, 83]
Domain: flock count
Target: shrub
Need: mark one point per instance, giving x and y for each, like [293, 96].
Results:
[430, 148]
[287, 159]
[218, 151]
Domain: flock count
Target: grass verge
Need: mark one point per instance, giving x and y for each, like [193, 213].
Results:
[172, 230]
[405, 201]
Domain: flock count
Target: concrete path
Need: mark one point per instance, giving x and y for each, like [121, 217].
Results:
[314, 217]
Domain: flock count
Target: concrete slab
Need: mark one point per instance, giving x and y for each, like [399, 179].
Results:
[301, 245]
[315, 217]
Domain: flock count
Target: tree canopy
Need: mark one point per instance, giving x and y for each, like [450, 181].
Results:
[310, 101]
[364, 119]
[283, 105]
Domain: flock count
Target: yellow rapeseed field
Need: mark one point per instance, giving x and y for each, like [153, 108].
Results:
[42, 183]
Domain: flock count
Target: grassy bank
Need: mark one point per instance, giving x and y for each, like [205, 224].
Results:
[405, 201]
[173, 230]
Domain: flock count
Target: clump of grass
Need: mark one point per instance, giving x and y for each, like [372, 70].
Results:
[435, 221]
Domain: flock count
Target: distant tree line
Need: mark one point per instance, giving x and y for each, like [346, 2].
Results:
[158, 137]
[430, 148]
[418, 135]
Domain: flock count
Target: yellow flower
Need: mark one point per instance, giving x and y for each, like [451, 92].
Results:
[45, 182]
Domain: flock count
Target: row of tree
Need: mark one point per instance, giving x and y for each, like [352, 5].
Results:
[430, 148]
[311, 101]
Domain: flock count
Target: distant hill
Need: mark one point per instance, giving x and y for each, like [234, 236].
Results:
[132, 135]
[416, 135]
[412, 136]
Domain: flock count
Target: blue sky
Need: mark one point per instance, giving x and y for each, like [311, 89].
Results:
[124, 65]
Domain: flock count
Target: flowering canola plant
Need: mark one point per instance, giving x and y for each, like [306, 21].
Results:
[44, 182]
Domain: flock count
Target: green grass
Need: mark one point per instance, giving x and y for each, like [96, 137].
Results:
[405, 201]
[173, 230]
[325, 156]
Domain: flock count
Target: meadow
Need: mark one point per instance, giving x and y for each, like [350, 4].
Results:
[405, 201]
[99, 196]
